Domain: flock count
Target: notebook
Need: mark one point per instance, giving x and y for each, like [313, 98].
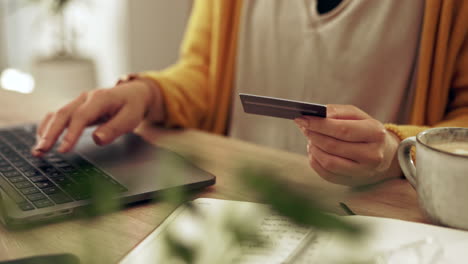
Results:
[387, 240]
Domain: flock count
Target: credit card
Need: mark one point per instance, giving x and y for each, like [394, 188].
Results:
[282, 108]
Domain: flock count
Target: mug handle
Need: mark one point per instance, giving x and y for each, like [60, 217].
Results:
[406, 161]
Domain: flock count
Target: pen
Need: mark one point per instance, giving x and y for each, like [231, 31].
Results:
[305, 243]
[347, 209]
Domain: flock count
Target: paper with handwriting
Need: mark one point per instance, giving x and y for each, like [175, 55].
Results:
[283, 241]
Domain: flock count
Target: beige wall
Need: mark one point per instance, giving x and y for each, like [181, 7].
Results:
[155, 31]
[104, 39]
[3, 58]
[121, 36]
[128, 36]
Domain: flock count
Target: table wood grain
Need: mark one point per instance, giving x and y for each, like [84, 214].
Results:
[108, 238]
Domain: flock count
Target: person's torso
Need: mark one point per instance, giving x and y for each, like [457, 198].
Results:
[362, 52]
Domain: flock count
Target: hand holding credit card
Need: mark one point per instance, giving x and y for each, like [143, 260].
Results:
[282, 108]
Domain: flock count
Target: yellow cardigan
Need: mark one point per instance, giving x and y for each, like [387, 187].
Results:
[198, 89]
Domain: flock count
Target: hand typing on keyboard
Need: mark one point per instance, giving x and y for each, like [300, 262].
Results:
[40, 182]
[119, 109]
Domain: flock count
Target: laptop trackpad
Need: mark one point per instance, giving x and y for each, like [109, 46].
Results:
[140, 166]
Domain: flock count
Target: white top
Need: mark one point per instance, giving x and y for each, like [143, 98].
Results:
[363, 53]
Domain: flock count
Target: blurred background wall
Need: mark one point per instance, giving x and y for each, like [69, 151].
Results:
[2, 37]
[155, 47]
[120, 36]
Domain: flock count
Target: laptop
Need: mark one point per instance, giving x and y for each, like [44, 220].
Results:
[39, 189]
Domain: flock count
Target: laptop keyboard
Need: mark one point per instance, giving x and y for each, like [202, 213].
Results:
[35, 183]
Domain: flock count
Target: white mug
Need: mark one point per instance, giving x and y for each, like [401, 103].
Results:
[440, 175]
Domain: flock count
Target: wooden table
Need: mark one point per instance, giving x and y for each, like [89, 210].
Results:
[113, 235]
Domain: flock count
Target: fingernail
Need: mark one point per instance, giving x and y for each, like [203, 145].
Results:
[40, 145]
[63, 147]
[37, 153]
[99, 138]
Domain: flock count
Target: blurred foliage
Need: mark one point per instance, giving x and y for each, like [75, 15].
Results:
[55, 6]
[55, 11]
[301, 209]
[179, 250]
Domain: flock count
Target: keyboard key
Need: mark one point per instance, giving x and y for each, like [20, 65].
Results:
[12, 193]
[29, 190]
[29, 141]
[83, 179]
[25, 206]
[55, 174]
[39, 163]
[35, 196]
[23, 184]
[25, 168]
[68, 169]
[17, 145]
[35, 159]
[75, 178]
[51, 155]
[75, 174]
[43, 203]
[38, 178]
[60, 198]
[6, 168]
[17, 179]
[47, 169]
[32, 173]
[67, 185]
[14, 157]
[56, 160]
[51, 190]
[44, 184]
[89, 170]
[11, 174]
[80, 196]
[5, 149]
[24, 151]
[59, 179]
[20, 163]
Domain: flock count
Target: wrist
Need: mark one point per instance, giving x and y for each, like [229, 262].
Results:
[156, 111]
[152, 96]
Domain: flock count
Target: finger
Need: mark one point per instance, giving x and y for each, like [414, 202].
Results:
[349, 112]
[43, 124]
[323, 173]
[368, 130]
[334, 164]
[126, 120]
[366, 154]
[301, 127]
[56, 125]
[39, 132]
[87, 114]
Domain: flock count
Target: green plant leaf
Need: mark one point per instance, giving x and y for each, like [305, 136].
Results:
[300, 208]
[179, 250]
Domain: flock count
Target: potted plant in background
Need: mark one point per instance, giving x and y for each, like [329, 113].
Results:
[63, 71]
